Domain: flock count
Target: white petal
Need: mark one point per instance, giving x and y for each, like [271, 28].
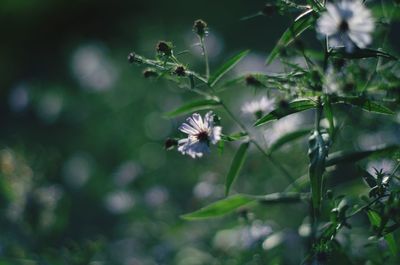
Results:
[188, 129]
[216, 134]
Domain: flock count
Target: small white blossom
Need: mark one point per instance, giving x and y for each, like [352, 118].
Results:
[346, 24]
[262, 105]
[200, 134]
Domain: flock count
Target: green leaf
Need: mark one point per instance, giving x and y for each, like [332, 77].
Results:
[236, 166]
[220, 207]
[301, 23]
[194, 106]
[234, 137]
[374, 218]
[354, 156]
[317, 153]
[364, 103]
[288, 138]
[226, 67]
[281, 197]
[389, 238]
[293, 107]
[369, 179]
[329, 115]
[361, 53]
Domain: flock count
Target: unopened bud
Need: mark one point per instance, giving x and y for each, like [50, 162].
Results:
[150, 72]
[268, 10]
[252, 81]
[283, 104]
[164, 48]
[170, 143]
[200, 27]
[133, 58]
[180, 70]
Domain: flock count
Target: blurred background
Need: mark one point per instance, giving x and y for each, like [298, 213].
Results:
[85, 178]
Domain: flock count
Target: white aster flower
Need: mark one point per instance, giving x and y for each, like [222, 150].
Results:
[200, 134]
[260, 106]
[346, 24]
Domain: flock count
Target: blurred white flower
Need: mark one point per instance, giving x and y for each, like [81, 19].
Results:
[156, 196]
[283, 126]
[77, 170]
[118, 202]
[126, 173]
[50, 106]
[386, 165]
[213, 41]
[93, 69]
[346, 23]
[200, 134]
[19, 98]
[259, 106]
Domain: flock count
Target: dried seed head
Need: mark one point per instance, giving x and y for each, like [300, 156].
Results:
[200, 27]
[150, 72]
[164, 48]
[180, 70]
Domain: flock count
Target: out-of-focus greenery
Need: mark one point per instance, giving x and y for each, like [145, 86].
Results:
[84, 176]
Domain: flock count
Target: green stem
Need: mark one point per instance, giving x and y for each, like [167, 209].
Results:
[205, 54]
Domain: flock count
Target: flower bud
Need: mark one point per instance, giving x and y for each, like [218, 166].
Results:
[150, 72]
[200, 28]
[164, 48]
[170, 143]
[283, 104]
[268, 10]
[180, 71]
[252, 81]
[133, 58]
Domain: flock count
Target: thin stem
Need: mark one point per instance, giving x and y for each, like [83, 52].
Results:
[257, 145]
[366, 206]
[205, 54]
[326, 54]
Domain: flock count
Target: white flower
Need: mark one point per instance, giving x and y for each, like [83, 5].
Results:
[200, 134]
[256, 106]
[346, 23]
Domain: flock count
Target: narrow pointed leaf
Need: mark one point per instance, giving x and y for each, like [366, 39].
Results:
[301, 23]
[362, 53]
[365, 104]
[374, 218]
[236, 166]
[288, 138]
[193, 106]
[226, 67]
[317, 153]
[369, 179]
[282, 197]
[389, 238]
[293, 107]
[354, 156]
[220, 207]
